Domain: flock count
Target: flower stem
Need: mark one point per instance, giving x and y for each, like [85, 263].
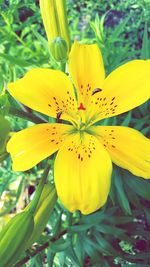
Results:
[40, 188]
[63, 66]
[26, 115]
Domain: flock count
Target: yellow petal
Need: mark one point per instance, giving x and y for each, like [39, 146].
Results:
[28, 147]
[87, 69]
[125, 88]
[47, 91]
[127, 147]
[82, 174]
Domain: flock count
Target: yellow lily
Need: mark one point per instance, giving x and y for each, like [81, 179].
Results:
[83, 164]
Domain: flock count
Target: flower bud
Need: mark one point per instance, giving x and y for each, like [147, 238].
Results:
[14, 236]
[54, 17]
[58, 48]
[43, 211]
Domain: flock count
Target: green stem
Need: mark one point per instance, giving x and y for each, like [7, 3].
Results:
[63, 66]
[25, 115]
[40, 188]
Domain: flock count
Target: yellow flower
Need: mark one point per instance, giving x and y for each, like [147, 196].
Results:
[83, 164]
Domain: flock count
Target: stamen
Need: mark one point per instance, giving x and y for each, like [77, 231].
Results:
[96, 90]
[59, 115]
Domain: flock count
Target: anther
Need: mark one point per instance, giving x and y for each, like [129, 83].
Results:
[59, 115]
[96, 90]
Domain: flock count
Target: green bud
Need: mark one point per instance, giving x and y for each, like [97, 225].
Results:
[59, 50]
[4, 130]
[14, 236]
[17, 232]
[43, 211]
[54, 15]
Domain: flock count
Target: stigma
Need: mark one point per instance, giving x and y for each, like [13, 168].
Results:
[81, 107]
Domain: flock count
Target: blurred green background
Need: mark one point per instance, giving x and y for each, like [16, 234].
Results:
[118, 234]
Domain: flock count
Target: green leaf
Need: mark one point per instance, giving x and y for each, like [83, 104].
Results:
[41, 39]
[140, 186]
[19, 190]
[117, 220]
[104, 245]
[106, 264]
[98, 28]
[145, 51]
[93, 218]
[3, 156]
[143, 256]
[121, 194]
[57, 225]
[112, 194]
[91, 248]
[38, 260]
[4, 105]
[50, 258]
[147, 215]
[13, 60]
[1, 83]
[60, 245]
[4, 131]
[120, 28]
[127, 119]
[80, 228]
[110, 230]
[135, 265]
[72, 255]
[79, 249]
[62, 258]
[133, 197]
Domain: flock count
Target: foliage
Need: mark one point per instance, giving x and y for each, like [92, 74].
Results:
[118, 234]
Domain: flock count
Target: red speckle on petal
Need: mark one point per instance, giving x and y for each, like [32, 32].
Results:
[81, 107]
